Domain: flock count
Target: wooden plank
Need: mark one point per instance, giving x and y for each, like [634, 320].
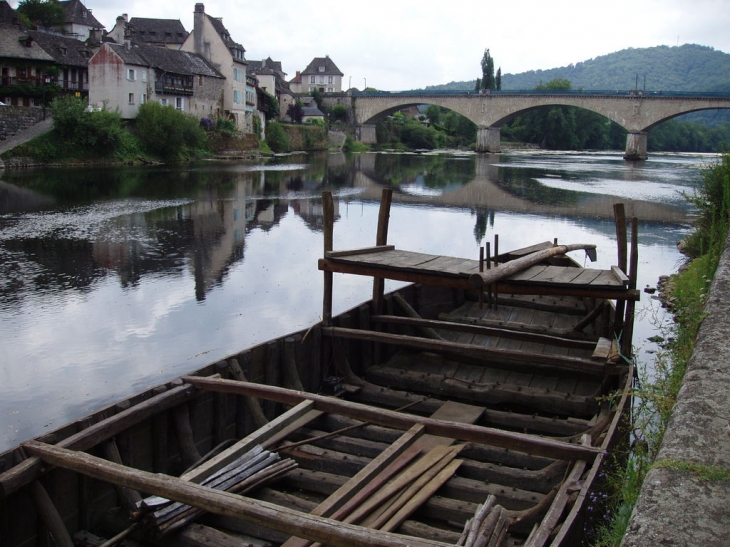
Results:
[259, 436]
[465, 432]
[346, 492]
[603, 349]
[30, 469]
[320, 529]
[444, 346]
[361, 251]
[528, 273]
[488, 331]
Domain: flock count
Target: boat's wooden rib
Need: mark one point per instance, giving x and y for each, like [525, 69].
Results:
[464, 432]
[468, 350]
[327, 531]
[30, 469]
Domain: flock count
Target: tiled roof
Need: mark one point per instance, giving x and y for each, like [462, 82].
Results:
[77, 13]
[170, 31]
[168, 60]
[329, 67]
[65, 51]
[11, 46]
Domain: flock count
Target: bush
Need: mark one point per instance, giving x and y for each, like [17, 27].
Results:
[167, 132]
[337, 113]
[100, 132]
[206, 124]
[225, 126]
[277, 138]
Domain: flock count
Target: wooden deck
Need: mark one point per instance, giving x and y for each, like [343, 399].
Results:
[387, 262]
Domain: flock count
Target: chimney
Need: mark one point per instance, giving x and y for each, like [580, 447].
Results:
[198, 22]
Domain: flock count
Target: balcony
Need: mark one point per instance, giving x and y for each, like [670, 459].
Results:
[162, 88]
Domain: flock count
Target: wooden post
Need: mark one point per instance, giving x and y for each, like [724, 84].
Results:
[381, 238]
[328, 214]
[49, 515]
[628, 334]
[620, 218]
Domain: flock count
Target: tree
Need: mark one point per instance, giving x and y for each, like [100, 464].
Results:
[295, 111]
[478, 84]
[433, 113]
[487, 71]
[41, 12]
[498, 79]
[317, 96]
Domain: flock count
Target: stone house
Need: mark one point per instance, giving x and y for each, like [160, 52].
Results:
[78, 21]
[321, 74]
[122, 77]
[272, 79]
[211, 40]
[36, 66]
[169, 33]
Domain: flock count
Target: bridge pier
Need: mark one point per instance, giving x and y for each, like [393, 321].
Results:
[365, 133]
[636, 146]
[488, 139]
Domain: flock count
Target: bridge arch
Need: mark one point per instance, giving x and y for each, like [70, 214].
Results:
[635, 112]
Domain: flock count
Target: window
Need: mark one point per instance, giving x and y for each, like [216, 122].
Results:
[312, 79]
[236, 96]
[144, 76]
[321, 79]
[163, 102]
[178, 103]
[330, 90]
[330, 79]
[131, 98]
[321, 68]
[143, 98]
[131, 74]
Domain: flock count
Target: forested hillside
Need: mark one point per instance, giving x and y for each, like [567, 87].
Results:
[689, 67]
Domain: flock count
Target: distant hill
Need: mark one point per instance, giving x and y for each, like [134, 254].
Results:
[689, 67]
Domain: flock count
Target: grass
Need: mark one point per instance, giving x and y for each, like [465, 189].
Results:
[656, 392]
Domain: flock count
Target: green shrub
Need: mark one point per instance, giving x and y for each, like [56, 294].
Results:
[97, 133]
[277, 138]
[167, 132]
[225, 126]
[337, 113]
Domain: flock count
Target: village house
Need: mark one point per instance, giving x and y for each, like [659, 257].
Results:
[78, 22]
[210, 39]
[321, 74]
[169, 33]
[123, 77]
[272, 79]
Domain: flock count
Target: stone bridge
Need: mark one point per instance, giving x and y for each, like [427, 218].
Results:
[637, 112]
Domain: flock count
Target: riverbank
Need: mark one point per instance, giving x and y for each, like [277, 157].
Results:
[683, 500]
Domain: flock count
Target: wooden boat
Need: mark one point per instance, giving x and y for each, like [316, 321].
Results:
[473, 407]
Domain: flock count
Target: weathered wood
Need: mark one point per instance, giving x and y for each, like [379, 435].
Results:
[444, 346]
[220, 408]
[487, 331]
[416, 319]
[129, 498]
[328, 221]
[291, 374]
[327, 531]
[602, 350]
[29, 469]
[252, 403]
[361, 251]
[381, 238]
[185, 437]
[258, 437]
[628, 332]
[464, 432]
[49, 515]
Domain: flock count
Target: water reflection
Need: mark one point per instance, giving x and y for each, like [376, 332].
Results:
[112, 280]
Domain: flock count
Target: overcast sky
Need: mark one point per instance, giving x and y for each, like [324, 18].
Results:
[403, 44]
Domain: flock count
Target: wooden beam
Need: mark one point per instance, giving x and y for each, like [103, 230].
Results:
[361, 251]
[30, 469]
[326, 531]
[469, 350]
[488, 331]
[328, 220]
[388, 418]
[381, 238]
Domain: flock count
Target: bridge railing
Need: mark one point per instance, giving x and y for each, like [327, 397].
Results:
[551, 92]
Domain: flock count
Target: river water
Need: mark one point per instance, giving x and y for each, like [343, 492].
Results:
[117, 279]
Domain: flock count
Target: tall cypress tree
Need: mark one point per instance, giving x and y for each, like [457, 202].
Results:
[487, 71]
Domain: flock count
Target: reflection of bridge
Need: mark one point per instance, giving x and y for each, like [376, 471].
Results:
[636, 112]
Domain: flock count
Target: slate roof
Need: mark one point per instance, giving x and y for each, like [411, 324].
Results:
[329, 66]
[7, 14]
[267, 66]
[158, 31]
[167, 60]
[311, 111]
[11, 46]
[64, 50]
[223, 32]
[77, 13]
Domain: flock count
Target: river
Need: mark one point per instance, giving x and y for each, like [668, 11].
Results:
[113, 280]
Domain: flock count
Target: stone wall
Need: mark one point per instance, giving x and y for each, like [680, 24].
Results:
[14, 119]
